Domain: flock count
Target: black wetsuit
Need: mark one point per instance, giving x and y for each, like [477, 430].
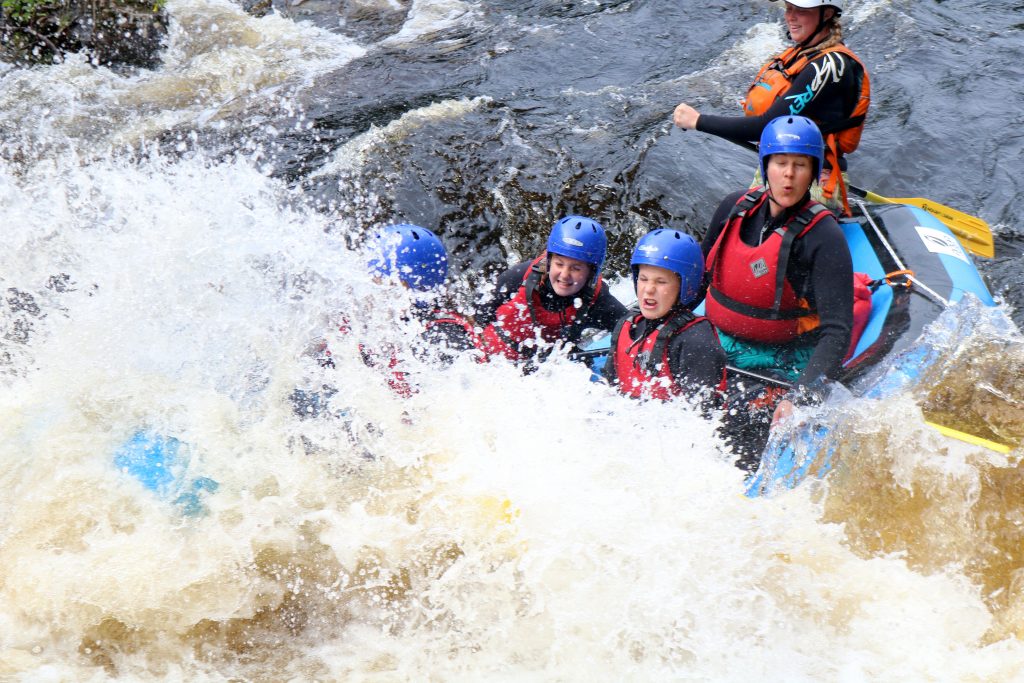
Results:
[825, 91]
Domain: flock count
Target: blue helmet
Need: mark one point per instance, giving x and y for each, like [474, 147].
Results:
[413, 254]
[582, 239]
[791, 135]
[673, 250]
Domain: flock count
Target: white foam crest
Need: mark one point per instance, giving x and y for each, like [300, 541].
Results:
[429, 17]
[219, 62]
[859, 12]
[182, 243]
[629, 553]
[197, 289]
[353, 154]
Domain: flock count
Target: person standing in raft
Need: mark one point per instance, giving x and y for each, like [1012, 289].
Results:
[780, 275]
[553, 298]
[817, 77]
[664, 350]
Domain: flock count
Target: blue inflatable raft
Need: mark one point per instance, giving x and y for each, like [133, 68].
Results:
[935, 273]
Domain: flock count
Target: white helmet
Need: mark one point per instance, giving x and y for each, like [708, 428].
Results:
[810, 4]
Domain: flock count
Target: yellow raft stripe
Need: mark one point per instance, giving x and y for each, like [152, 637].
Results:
[970, 438]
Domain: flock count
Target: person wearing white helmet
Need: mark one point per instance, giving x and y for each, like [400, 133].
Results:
[817, 77]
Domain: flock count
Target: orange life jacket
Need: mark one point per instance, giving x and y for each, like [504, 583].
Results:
[841, 137]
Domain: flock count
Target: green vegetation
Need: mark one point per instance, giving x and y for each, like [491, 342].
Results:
[24, 10]
[112, 32]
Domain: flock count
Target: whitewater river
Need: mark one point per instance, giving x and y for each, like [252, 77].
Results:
[176, 241]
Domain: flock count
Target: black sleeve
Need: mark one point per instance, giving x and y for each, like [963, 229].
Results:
[718, 221]
[442, 342]
[825, 91]
[605, 312]
[696, 358]
[608, 371]
[505, 287]
[823, 254]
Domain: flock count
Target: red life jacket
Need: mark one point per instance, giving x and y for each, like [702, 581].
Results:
[841, 137]
[374, 358]
[749, 296]
[396, 379]
[523, 318]
[641, 367]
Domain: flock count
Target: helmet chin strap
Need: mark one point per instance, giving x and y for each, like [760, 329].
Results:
[822, 22]
[771, 195]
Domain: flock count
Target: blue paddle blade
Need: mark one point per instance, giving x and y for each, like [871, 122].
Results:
[191, 502]
[789, 459]
[156, 461]
[160, 464]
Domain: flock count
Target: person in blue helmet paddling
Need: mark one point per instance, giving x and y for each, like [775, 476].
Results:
[417, 259]
[413, 257]
[552, 298]
[817, 77]
[664, 350]
[780, 276]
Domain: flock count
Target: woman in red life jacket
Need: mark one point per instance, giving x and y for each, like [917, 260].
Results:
[780, 273]
[664, 350]
[817, 77]
[553, 298]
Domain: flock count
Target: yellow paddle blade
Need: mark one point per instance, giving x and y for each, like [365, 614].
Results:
[970, 438]
[974, 234]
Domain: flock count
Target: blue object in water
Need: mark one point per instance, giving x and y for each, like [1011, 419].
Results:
[789, 458]
[160, 464]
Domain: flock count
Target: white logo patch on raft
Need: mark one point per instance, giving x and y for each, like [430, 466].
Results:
[941, 242]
